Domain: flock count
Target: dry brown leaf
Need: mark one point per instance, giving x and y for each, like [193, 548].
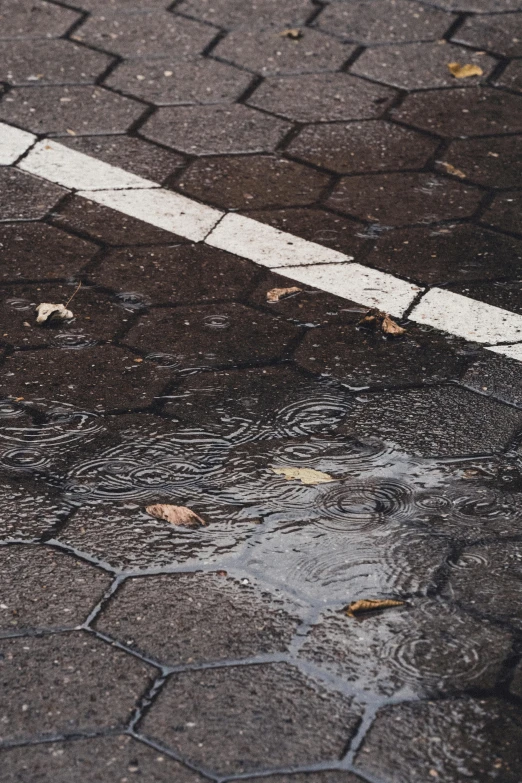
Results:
[276, 294]
[305, 475]
[176, 515]
[378, 320]
[47, 313]
[449, 169]
[464, 71]
[370, 605]
[389, 326]
[294, 33]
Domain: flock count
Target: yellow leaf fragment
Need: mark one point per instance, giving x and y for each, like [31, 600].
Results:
[276, 294]
[464, 71]
[390, 327]
[294, 33]
[449, 169]
[176, 515]
[370, 605]
[304, 475]
[378, 320]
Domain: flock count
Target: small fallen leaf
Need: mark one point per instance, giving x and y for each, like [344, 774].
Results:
[304, 475]
[292, 32]
[176, 515]
[379, 320]
[71, 132]
[449, 169]
[464, 71]
[370, 605]
[389, 326]
[47, 313]
[276, 294]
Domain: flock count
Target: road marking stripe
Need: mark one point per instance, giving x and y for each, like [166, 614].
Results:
[297, 258]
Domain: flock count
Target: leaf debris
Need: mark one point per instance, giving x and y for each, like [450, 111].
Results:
[304, 475]
[176, 515]
[464, 71]
[294, 33]
[370, 605]
[379, 320]
[47, 313]
[449, 169]
[276, 294]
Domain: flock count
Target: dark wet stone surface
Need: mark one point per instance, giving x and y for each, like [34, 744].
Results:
[496, 376]
[45, 589]
[25, 197]
[232, 13]
[201, 623]
[329, 776]
[251, 718]
[512, 77]
[28, 511]
[69, 683]
[489, 162]
[35, 20]
[507, 295]
[491, 32]
[504, 212]
[89, 759]
[50, 62]
[476, 738]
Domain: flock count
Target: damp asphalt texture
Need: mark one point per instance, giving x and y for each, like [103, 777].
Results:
[135, 650]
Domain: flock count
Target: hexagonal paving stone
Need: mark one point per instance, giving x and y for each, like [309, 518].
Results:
[154, 33]
[480, 6]
[426, 648]
[25, 197]
[103, 377]
[207, 130]
[384, 21]
[441, 421]
[232, 13]
[329, 776]
[494, 32]
[362, 147]
[91, 758]
[211, 335]
[400, 199]
[362, 358]
[322, 97]
[482, 737]
[516, 683]
[59, 254]
[436, 255]
[253, 181]
[493, 162]
[267, 52]
[27, 511]
[486, 580]
[167, 274]
[505, 212]
[512, 77]
[43, 588]
[248, 718]
[37, 19]
[197, 620]
[129, 153]
[50, 62]
[471, 112]
[109, 226]
[70, 683]
[123, 5]
[496, 376]
[167, 82]
[57, 110]
[419, 66]
[504, 293]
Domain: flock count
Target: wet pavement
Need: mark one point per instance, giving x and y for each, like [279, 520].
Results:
[132, 648]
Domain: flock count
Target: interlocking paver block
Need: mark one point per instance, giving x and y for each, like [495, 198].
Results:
[166, 274]
[384, 21]
[67, 683]
[402, 199]
[207, 130]
[27, 511]
[197, 620]
[512, 77]
[45, 589]
[329, 776]
[154, 33]
[470, 112]
[492, 162]
[480, 6]
[58, 110]
[505, 213]
[36, 19]
[495, 32]
[232, 13]
[407, 741]
[362, 147]
[59, 254]
[91, 760]
[267, 52]
[322, 97]
[254, 181]
[50, 62]
[496, 376]
[506, 294]
[435, 422]
[25, 197]
[248, 718]
[419, 66]
[167, 81]
[441, 254]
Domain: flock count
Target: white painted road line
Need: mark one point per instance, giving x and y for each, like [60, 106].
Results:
[268, 246]
[162, 208]
[511, 351]
[358, 283]
[71, 169]
[476, 321]
[13, 143]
